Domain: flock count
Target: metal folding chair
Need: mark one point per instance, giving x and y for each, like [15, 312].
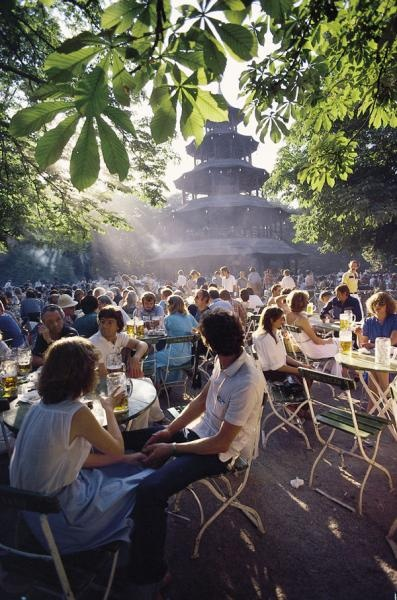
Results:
[27, 565]
[295, 350]
[359, 426]
[179, 368]
[226, 488]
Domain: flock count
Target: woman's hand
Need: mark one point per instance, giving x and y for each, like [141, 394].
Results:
[136, 368]
[109, 402]
[157, 454]
[133, 458]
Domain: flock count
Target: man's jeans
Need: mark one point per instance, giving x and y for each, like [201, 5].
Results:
[149, 514]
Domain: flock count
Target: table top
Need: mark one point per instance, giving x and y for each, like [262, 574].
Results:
[141, 397]
[364, 362]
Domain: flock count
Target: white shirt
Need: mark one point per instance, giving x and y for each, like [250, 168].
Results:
[287, 282]
[254, 301]
[235, 395]
[219, 304]
[181, 281]
[105, 347]
[229, 283]
[271, 354]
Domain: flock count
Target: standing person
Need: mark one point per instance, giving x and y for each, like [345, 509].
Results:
[351, 278]
[255, 281]
[208, 436]
[181, 281]
[267, 279]
[276, 291]
[238, 308]
[242, 281]
[217, 279]
[287, 281]
[228, 280]
[53, 455]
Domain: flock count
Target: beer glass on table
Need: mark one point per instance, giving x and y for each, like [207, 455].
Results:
[346, 341]
[9, 382]
[118, 381]
[310, 309]
[130, 328]
[351, 317]
[344, 322]
[383, 350]
[24, 358]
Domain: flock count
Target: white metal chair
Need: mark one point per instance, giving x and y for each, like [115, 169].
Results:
[180, 365]
[226, 488]
[298, 352]
[28, 566]
[357, 425]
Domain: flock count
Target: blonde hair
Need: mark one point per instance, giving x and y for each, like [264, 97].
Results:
[176, 305]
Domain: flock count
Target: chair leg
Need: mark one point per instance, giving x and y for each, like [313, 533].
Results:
[63, 579]
[251, 514]
[319, 457]
[111, 575]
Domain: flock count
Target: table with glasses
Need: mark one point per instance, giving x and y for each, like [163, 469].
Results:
[383, 404]
[142, 394]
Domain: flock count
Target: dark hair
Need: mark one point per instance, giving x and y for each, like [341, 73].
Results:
[50, 308]
[203, 294]
[223, 332]
[148, 296]
[297, 300]
[104, 299]
[30, 293]
[213, 292]
[225, 295]
[244, 295]
[89, 304]
[68, 370]
[342, 289]
[285, 291]
[325, 293]
[112, 312]
[274, 287]
[268, 316]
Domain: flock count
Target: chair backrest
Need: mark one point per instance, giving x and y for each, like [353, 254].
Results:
[292, 328]
[341, 382]
[182, 339]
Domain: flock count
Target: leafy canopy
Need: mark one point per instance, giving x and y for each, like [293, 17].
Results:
[357, 215]
[334, 60]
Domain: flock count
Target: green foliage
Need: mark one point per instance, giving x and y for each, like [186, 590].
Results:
[333, 62]
[37, 203]
[359, 214]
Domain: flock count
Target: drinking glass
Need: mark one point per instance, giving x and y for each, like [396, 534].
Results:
[9, 383]
[344, 322]
[345, 341]
[114, 362]
[382, 350]
[24, 359]
[350, 316]
[116, 381]
[130, 327]
[310, 308]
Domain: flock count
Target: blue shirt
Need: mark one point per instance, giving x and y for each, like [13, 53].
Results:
[373, 329]
[336, 307]
[157, 311]
[11, 331]
[87, 325]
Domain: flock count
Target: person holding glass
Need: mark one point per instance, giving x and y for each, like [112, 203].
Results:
[53, 454]
[110, 339]
[311, 344]
[381, 322]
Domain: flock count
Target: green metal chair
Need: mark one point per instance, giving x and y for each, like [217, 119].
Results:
[346, 418]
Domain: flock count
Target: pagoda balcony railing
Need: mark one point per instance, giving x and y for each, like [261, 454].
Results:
[230, 232]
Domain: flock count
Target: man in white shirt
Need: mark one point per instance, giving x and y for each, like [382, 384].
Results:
[287, 281]
[225, 414]
[228, 280]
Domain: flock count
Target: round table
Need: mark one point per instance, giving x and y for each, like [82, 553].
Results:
[141, 397]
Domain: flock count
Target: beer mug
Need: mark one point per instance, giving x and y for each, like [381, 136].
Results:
[344, 321]
[310, 308]
[345, 341]
[114, 362]
[116, 381]
[350, 316]
[9, 383]
[382, 350]
[24, 358]
[130, 328]
[139, 328]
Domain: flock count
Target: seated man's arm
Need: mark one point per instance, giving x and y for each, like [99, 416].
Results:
[357, 310]
[326, 309]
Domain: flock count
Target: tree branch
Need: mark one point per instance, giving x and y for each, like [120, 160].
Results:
[24, 74]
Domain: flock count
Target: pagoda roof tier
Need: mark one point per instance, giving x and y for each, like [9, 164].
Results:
[226, 144]
[223, 247]
[231, 201]
[206, 177]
